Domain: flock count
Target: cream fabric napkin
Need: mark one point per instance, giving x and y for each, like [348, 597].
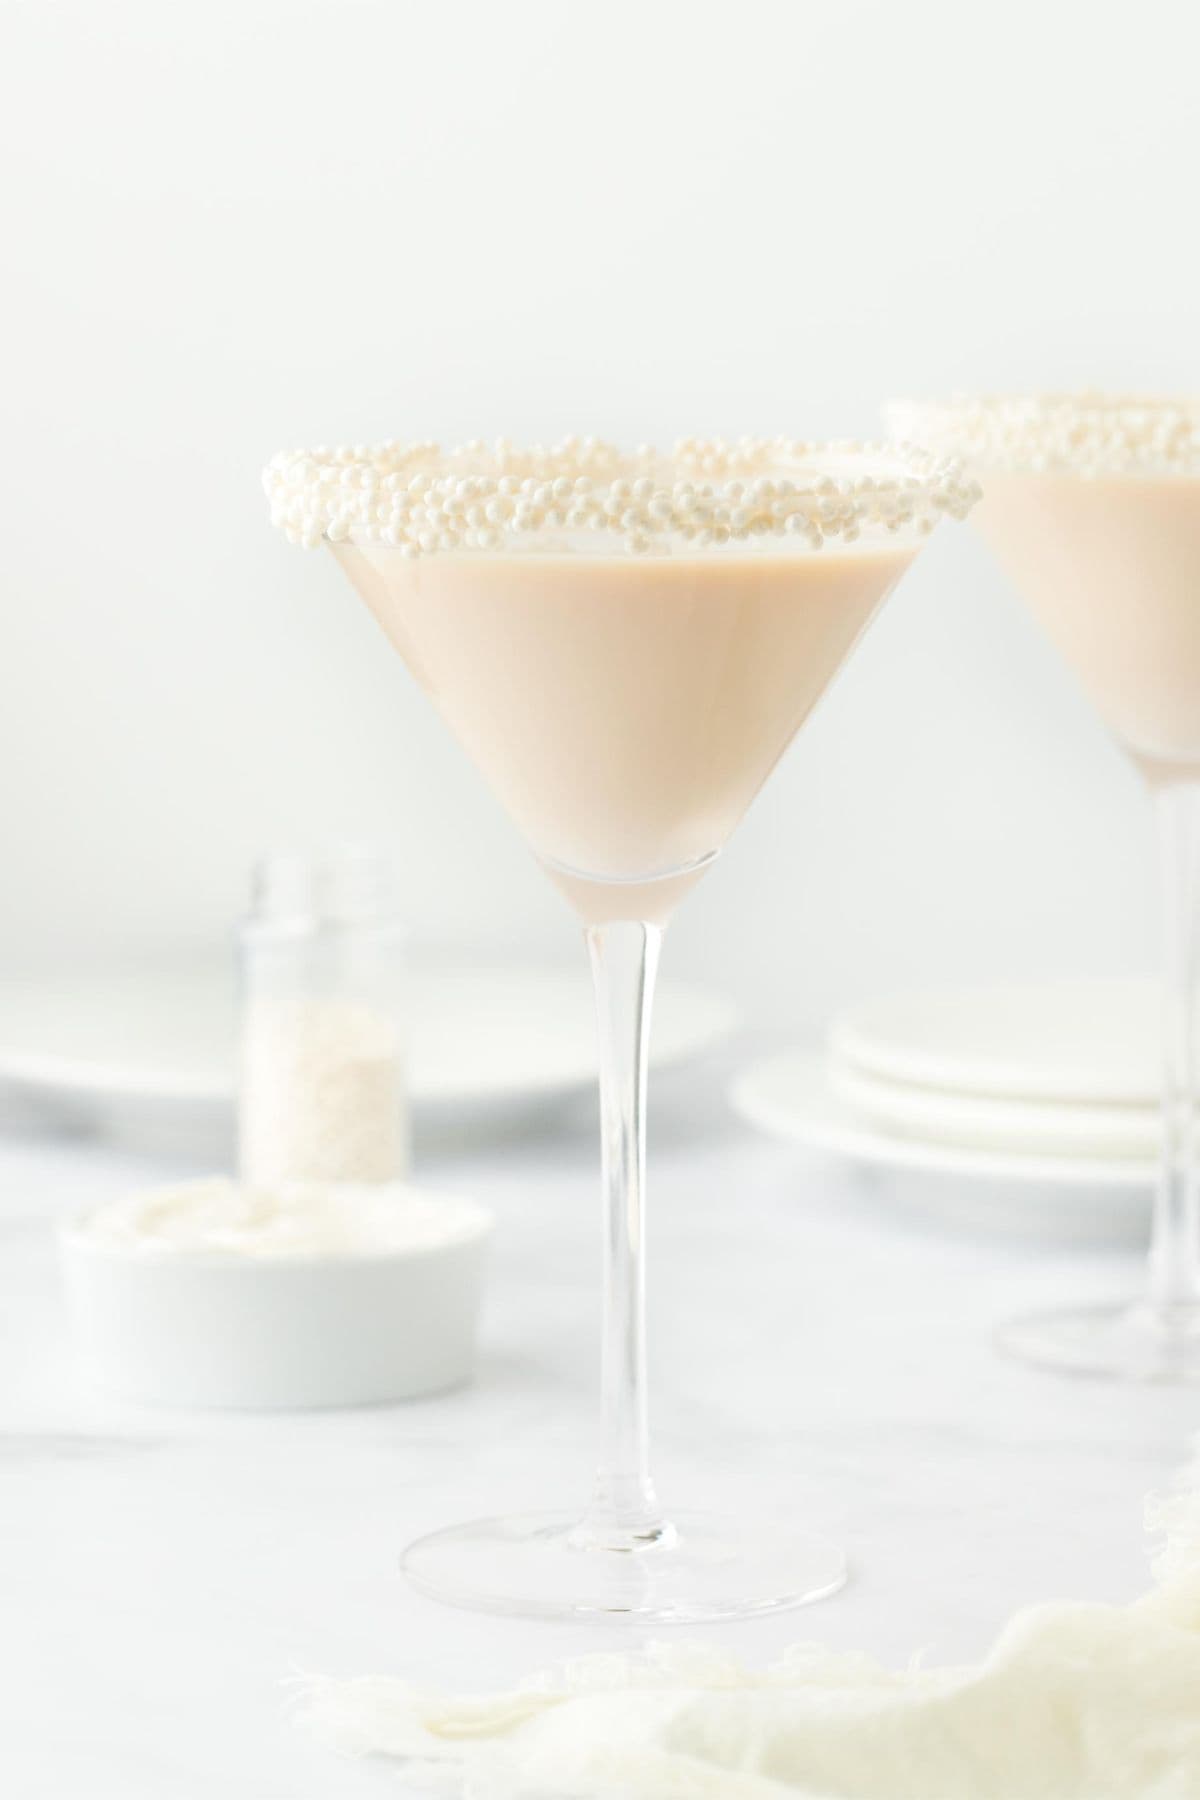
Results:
[1074, 1702]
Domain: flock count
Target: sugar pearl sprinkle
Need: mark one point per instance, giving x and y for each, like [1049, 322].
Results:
[705, 493]
[1089, 435]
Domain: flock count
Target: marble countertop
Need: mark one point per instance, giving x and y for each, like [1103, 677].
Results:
[814, 1352]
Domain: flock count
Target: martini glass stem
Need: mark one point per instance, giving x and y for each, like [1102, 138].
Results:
[1175, 1243]
[624, 1514]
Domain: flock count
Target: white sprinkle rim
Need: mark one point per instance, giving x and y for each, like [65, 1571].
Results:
[703, 494]
[1092, 435]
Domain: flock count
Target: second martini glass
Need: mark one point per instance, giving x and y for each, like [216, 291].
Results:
[625, 645]
[1092, 504]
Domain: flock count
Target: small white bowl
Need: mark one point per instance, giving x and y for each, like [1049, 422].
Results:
[219, 1328]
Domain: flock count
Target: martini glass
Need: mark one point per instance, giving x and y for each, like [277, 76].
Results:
[625, 645]
[1092, 505]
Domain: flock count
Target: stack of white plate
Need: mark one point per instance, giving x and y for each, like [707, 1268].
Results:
[1032, 1107]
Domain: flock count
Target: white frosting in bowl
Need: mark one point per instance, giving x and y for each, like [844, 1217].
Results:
[218, 1216]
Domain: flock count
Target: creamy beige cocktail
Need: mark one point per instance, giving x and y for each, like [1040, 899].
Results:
[1092, 505]
[625, 709]
[1111, 567]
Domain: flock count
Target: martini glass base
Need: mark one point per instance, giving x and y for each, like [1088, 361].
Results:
[1124, 1343]
[700, 1569]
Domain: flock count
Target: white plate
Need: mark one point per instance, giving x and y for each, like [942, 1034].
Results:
[148, 1055]
[980, 1122]
[790, 1096]
[1094, 1041]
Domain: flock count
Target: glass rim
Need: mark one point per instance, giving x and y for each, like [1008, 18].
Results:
[1092, 433]
[704, 493]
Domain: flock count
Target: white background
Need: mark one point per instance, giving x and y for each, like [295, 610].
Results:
[233, 227]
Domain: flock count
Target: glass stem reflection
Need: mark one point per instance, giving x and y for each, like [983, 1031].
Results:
[1175, 1245]
[624, 1514]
